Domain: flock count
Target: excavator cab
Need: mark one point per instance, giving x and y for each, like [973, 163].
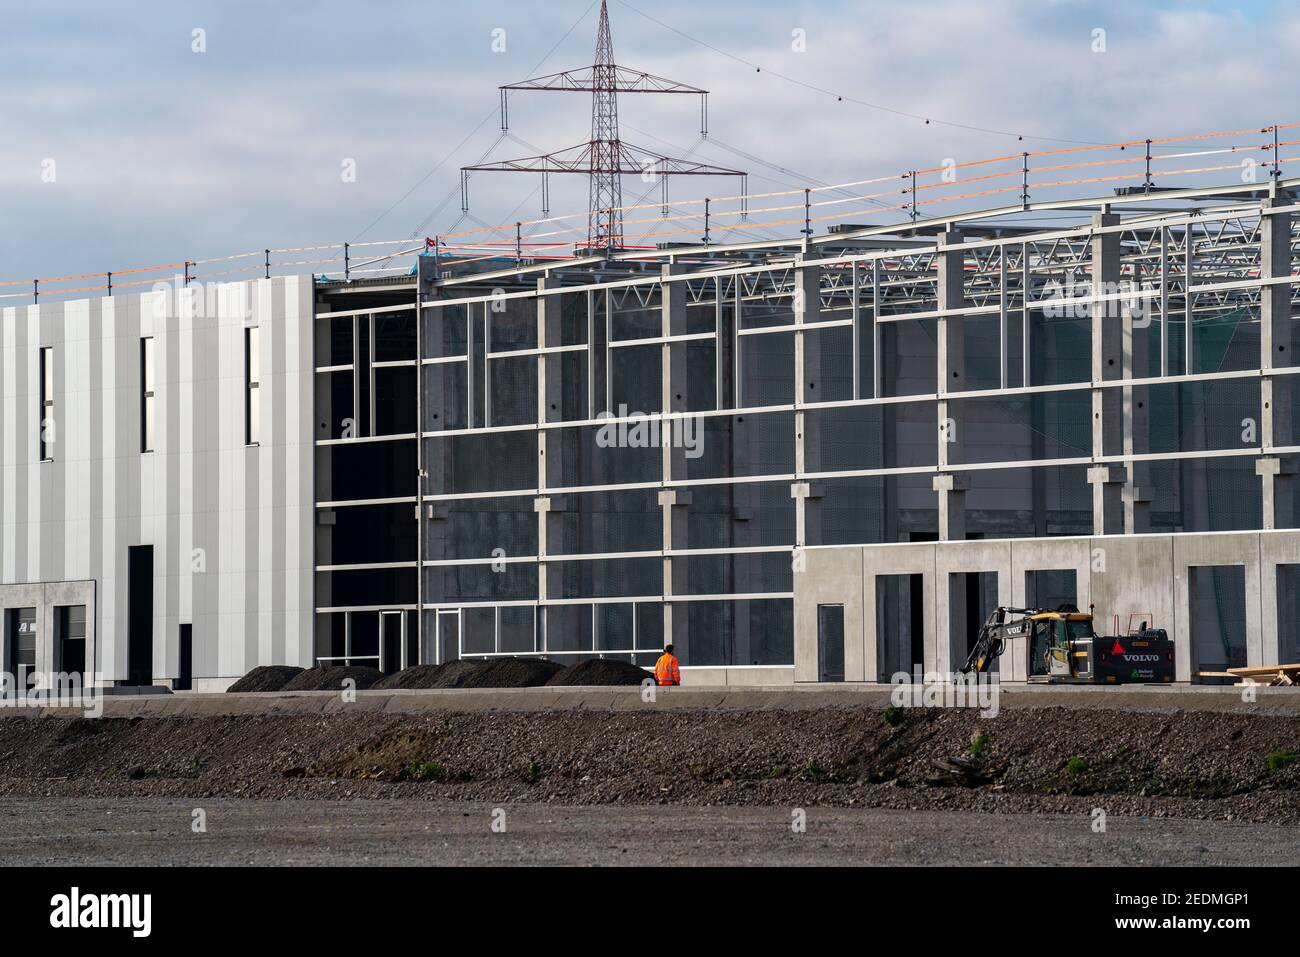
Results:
[1059, 643]
[1041, 640]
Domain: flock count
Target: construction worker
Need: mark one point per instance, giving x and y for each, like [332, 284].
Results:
[666, 669]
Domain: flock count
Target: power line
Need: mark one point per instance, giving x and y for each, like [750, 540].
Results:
[800, 178]
[844, 97]
[459, 146]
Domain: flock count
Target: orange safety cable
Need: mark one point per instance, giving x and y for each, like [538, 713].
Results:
[910, 175]
[1072, 149]
[976, 194]
[1131, 158]
[1122, 144]
[92, 275]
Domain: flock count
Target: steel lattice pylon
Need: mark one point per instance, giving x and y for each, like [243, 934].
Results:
[604, 228]
[605, 158]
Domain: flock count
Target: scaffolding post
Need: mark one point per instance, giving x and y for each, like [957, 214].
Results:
[807, 217]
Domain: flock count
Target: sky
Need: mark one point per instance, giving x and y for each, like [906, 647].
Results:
[135, 133]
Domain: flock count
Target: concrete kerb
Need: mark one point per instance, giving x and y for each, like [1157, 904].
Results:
[1164, 699]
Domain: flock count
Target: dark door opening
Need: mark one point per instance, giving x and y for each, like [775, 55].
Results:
[1050, 588]
[139, 650]
[900, 625]
[390, 626]
[971, 596]
[830, 642]
[412, 638]
[449, 635]
[916, 619]
[365, 639]
[70, 638]
[21, 625]
[1217, 616]
[185, 676]
[917, 605]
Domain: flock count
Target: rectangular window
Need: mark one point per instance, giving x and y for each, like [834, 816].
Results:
[147, 419]
[45, 425]
[252, 379]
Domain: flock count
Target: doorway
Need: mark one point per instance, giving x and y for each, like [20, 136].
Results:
[972, 596]
[139, 650]
[392, 635]
[830, 642]
[448, 638]
[185, 677]
[20, 624]
[900, 625]
[70, 639]
[1217, 618]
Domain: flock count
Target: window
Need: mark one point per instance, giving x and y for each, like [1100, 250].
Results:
[147, 419]
[252, 379]
[45, 425]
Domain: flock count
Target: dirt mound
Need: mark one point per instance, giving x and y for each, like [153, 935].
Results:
[449, 674]
[600, 671]
[331, 679]
[416, 676]
[454, 674]
[513, 673]
[1026, 760]
[266, 678]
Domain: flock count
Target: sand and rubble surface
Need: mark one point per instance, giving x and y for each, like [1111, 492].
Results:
[1194, 770]
[1190, 763]
[153, 832]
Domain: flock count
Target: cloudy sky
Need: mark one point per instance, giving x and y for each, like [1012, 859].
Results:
[122, 146]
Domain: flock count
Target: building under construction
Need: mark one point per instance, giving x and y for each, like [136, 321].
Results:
[818, 457]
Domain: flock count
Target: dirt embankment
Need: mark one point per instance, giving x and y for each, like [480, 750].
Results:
[497, 673]
[1051, 759]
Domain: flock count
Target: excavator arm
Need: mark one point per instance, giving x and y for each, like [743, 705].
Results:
[1002, 623]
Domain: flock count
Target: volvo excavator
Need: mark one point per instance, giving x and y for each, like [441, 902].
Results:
[1063, 648]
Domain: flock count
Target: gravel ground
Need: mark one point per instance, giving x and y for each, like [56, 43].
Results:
[158, 832]
[1050, 760]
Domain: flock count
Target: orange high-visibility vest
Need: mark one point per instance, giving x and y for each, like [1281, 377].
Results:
[666, 671]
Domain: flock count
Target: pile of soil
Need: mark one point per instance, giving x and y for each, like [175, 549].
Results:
[514, 673]
[331, 679]
[266, 678]
[416, 676]
[1225, 766]
[449, 674]
[600, 671]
